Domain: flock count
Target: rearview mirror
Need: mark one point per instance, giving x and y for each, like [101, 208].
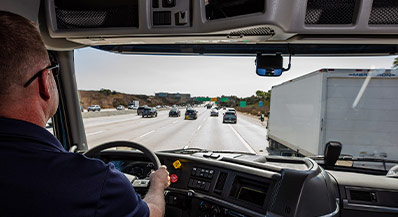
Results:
[270, 65]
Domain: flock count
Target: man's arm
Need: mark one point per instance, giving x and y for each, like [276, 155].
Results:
[160, 180]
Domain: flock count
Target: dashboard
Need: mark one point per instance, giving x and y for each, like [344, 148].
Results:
[207, 185]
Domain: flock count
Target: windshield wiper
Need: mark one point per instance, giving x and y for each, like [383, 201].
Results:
[202, 150]
[186, 150]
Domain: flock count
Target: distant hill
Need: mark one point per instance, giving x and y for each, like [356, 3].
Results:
[110, 99]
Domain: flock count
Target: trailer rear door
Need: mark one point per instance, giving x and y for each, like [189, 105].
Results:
[371, 127]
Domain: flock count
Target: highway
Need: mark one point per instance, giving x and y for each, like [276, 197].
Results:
[165, 133]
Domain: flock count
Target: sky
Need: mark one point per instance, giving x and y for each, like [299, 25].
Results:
[210, 76]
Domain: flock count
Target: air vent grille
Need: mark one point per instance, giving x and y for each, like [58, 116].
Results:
[220, 182]
[330, 12]
[97, 18]
[384, 12]
[253, 32]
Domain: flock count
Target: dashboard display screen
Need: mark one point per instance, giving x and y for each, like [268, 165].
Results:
[251, 195]
[249, 190]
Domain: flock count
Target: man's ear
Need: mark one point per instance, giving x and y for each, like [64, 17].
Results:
[44, 85]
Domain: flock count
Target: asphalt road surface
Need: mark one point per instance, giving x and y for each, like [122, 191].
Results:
[165, 133]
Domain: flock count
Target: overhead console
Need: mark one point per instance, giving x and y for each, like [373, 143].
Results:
[118, 22]
[161, 21]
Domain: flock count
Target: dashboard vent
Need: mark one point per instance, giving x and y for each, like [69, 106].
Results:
[363, 196]
[253, 32]
[330, 12]
[219, 9]
[220, 183]
[384, 12]
[83, 15]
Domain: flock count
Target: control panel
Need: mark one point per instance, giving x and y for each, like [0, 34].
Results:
[201, 178]
[170, 13]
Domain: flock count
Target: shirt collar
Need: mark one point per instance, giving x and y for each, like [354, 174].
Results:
[23, 129]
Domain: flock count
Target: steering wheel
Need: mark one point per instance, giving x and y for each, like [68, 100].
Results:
[140, 183]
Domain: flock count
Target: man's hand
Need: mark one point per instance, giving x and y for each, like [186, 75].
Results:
[160, 180]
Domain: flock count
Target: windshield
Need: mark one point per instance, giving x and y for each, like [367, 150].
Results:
[351, 100]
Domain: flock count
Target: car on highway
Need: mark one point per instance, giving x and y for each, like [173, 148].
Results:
[230, 117]
[94, 108]
[174, 112]
[191, 114]
[232, 110]
[214, 112]
[149, 112]
[133, 107]
[140, 109]
[120, 107]
[241, 49]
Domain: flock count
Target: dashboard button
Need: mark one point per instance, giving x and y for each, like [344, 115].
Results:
[198, 184]
[190, 183]
[173, 178]
[155, 3]
[177, 164]
[197, 172]
[193, 172]
[203, 185]
[207, 186]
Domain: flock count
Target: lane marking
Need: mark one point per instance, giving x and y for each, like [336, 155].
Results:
[199, 127]
[175, 122]
[89, 134]
[147, 133]
[242, 140]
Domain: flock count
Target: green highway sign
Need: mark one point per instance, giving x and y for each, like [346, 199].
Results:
[242, 104]
[202, 99]
[224, 99]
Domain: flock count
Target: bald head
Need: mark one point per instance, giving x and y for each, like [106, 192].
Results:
[22, 52]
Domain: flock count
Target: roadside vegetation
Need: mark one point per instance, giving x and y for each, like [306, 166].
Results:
[252, 104]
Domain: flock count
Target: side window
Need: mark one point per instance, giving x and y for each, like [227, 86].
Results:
[50, 126]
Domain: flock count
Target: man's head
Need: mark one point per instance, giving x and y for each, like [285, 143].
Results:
[22, 55]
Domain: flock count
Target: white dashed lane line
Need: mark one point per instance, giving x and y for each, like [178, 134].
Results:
[147, 133]
[89, 134]
[242, 140]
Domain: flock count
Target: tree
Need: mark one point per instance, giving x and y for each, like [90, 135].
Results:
[395, 64]
[106, 92]
[260, 94]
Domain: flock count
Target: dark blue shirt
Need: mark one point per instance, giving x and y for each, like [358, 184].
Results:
[39, 178]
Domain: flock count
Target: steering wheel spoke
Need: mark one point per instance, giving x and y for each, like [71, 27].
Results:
[141, 183]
